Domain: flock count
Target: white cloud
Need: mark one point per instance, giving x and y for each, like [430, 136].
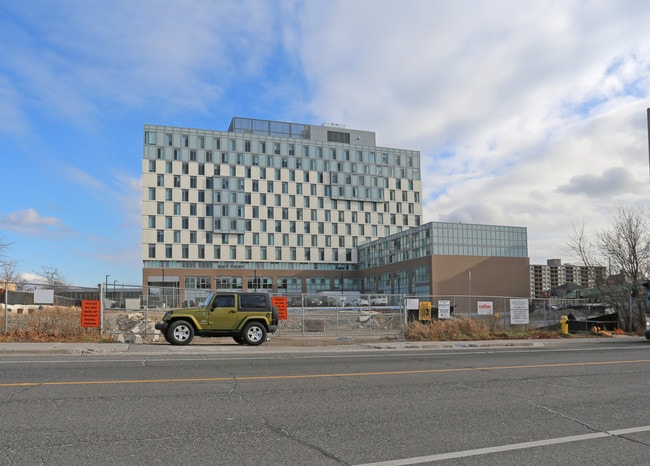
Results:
[29, 221]
[515, 107]
[90, 57]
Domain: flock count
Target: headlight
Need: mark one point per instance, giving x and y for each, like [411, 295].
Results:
[647, 323]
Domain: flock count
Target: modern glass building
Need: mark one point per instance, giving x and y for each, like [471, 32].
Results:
[439, 258]
[270, 205]
[295, 208]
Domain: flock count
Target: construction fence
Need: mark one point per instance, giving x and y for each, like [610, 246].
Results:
[131, 311]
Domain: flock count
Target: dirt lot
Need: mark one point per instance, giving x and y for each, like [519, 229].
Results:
[317, 327]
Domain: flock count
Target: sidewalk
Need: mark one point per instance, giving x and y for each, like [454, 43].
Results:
[283, 344]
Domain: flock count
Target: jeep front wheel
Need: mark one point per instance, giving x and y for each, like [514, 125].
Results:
[180, 332]
[254, 334]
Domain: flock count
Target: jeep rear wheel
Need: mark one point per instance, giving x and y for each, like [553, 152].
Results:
[180, 332]
[254, 334]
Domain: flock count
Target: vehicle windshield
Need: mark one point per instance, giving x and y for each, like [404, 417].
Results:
[207, 300]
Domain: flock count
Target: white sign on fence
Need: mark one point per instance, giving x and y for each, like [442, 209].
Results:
[485, 308]
[444, 309]
[518, 311]
[43, 296]
[412, 304]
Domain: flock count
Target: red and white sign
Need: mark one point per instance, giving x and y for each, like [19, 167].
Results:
[485, 308]
[90, 313]
[281, 303]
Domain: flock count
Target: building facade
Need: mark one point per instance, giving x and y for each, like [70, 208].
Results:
[443, 259]
[547, 280]
[296, 208]
[270, 205]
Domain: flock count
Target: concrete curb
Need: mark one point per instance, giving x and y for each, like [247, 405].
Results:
[283, 345]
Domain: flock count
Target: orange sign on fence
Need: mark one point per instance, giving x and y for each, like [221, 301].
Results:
[90, 313]
[281, 303]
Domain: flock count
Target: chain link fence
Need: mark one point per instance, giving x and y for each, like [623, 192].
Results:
[130, 312]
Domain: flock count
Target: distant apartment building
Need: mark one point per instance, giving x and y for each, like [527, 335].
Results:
[299, 208]
[548, 280]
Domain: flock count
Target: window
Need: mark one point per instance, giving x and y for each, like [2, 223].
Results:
[338, 136]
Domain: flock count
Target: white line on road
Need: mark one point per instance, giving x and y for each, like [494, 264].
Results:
[514, 446]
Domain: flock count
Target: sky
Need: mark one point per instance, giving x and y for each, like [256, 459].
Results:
[528, 114]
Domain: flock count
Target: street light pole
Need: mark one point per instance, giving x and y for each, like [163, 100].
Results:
[106, 288]
[469, 293]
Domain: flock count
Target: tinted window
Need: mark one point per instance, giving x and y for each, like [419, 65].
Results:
[252, 300]
[224, 301]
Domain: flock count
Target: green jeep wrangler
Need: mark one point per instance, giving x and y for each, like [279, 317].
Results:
[247, 317]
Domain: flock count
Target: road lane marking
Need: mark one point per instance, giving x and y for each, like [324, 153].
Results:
[316, 376]
[511, 447]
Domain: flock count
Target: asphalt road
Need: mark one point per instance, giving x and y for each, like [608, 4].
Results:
[557, 404]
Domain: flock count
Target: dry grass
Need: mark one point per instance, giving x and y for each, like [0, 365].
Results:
[60, 324]
[463, 329]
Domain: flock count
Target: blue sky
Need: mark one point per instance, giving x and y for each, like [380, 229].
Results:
[525, 113]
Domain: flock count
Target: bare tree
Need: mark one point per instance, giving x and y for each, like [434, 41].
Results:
[52, 276]
[582, 248]
[625, 247]
[7, 266]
